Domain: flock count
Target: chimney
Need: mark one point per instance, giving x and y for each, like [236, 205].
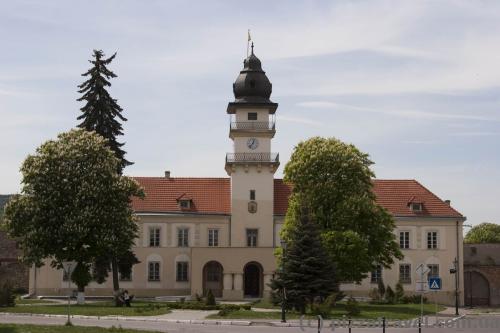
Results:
[167, 174]
[448, 202]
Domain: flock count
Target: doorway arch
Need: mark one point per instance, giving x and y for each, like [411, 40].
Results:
[212, 278]
[477, 289]
[252, 277]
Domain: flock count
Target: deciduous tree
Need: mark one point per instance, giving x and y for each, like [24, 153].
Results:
[73, 202]
[334, 180]
[484, 233]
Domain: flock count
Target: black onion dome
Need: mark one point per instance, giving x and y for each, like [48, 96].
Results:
[252, 85]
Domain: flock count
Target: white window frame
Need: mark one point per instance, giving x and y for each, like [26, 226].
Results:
[254, 241]
[154, 271]
[182, 275]
[433, 241]
[154, 236]
[183, 237]
[405, 242]
[213, 237]
[402, 278]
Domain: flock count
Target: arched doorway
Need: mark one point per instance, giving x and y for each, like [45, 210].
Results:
[252, 275]
[212, 278]
[477, 289]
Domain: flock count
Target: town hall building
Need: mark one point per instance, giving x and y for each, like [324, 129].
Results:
[197, 234]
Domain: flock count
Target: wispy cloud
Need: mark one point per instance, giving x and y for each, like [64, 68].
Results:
[300, 120]
[414, 114]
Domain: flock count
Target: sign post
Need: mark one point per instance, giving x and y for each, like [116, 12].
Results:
[435, 285]
[421, 270]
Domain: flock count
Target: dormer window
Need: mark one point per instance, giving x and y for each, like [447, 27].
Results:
[416, 206]
[185, 204]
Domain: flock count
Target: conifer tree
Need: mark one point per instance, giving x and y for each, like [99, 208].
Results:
[307, 271]
[101, 111]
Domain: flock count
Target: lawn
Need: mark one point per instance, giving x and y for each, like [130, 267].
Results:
[368, 311]
[11, 328]
[93, 309]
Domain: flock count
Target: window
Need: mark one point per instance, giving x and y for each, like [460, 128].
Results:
[185, 204]
[433, 271]
[404, 240]
[416, 206]
[252, 115]
[182, 271]
[125, 277]
[213, 237]
[183, 237]
[376, 275]
[252, 194]
[154, 271]
[432, 240]
[405, 273]
[252, 237]
[154, 237]
[65, 275]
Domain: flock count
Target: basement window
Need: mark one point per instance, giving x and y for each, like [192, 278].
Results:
[252, 115]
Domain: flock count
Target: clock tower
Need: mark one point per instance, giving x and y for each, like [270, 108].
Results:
[252, 165]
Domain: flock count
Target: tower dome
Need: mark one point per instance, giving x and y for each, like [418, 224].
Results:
[252, 85]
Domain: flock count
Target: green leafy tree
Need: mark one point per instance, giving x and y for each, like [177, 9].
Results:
[102, 114]
[381, 287]
[334, 180]
[390, 296]
[73, 203]
[307, 271]
[484, 233]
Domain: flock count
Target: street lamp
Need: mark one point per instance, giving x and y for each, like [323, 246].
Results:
[283, 298]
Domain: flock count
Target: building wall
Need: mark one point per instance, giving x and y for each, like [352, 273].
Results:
[233, 259]
[418, 254]
[11, 269]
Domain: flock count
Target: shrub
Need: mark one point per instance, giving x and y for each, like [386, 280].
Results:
[413, 299]
[7, 296]
[198, 297]
[400, 292]
[352, 307]
[210, 298]
[390, 296]
[374, 295]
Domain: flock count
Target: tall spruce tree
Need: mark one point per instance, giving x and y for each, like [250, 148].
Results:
[101, 113]
[307, 272]
[101, 110]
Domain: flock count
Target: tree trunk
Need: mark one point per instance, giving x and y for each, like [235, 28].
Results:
[116, 283]
[80, 297]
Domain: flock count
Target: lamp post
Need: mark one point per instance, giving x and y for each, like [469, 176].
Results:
[283, 297]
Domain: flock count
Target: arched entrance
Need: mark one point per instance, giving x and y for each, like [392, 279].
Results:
[477, 289]
[212, 278]
[252, 275]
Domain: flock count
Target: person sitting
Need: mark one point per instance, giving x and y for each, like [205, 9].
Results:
[126, 298]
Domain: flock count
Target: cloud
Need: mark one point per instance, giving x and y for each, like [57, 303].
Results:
[299, 120]
[414, 114]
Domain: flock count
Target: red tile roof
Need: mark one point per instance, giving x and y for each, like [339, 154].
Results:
[213, 196]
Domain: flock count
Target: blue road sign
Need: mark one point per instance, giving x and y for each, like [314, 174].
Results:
[435, 283]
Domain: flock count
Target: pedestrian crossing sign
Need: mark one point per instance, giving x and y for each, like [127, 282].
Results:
[435, 283]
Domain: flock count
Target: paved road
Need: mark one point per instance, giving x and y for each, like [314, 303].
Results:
[482, 324]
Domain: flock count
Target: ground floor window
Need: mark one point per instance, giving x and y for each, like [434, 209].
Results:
[433, 271]
[405, 273]
[154, 271]
[376, 275]
[182, 271]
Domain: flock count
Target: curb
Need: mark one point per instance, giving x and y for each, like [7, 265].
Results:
[122, 318]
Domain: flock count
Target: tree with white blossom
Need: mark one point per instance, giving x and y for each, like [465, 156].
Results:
[73, 203]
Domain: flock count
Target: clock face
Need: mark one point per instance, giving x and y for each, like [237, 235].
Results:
[252, 143]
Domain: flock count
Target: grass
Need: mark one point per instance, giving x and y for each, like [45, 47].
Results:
[15, 328]
[93, 309]
[368, 311]
[264, 304]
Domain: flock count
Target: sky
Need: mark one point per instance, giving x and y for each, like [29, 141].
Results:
[415, 84]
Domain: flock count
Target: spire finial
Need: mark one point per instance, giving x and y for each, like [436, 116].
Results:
[252, 47]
